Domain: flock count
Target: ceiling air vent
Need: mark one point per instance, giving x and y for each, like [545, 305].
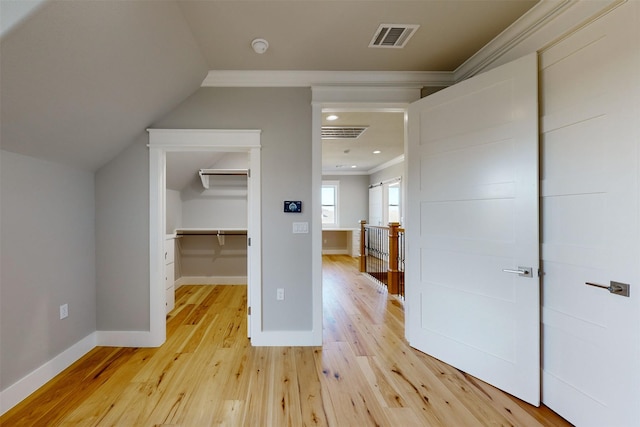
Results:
[342, 132]
[393, 35]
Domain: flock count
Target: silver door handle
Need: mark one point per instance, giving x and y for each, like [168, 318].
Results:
[521, 271]
[617, 288]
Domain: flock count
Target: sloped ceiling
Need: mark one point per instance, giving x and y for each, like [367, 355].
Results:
[82, 79]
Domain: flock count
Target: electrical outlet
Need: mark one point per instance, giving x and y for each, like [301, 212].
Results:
[280, 294]
[64, 311]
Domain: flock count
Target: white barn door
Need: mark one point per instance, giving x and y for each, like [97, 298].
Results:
[472, 214]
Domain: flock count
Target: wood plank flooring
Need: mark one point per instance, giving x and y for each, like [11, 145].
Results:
[207, 373]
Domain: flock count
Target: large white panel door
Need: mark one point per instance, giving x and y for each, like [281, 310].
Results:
[472, 213]
[590, 104]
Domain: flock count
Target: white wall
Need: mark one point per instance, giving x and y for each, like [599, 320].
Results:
[48, 259]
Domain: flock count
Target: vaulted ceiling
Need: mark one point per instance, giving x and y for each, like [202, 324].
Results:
[81, 79]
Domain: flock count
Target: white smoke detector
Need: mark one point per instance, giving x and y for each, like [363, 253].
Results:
[260, 45]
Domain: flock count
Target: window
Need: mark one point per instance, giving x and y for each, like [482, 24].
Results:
[330, 203]
[393, 197]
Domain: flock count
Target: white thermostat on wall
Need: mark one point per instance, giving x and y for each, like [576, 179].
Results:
[293, 206]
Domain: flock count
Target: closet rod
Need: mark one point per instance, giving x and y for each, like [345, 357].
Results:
[225, 233]
[212, 172]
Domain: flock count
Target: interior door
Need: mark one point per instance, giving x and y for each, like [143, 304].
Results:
[472, 228]
[590, 104]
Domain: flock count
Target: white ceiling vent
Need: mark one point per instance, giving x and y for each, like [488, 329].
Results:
[393, 35]
[342, 132]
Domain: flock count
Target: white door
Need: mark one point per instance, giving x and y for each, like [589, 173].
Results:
[375, 205]
[590, 105]
[472, 213]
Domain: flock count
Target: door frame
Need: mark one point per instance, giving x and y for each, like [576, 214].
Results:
[162, 141]
[328, 98]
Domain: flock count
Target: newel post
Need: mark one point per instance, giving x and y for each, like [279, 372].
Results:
[393, 273]
[363, 255]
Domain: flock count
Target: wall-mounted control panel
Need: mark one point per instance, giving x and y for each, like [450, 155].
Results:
[293, 206]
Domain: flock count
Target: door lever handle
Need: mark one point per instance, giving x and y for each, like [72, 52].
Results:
[617, 288]
[521, 271]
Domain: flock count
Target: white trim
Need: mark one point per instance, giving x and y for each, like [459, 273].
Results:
[363, 96]
[542, 25]
[385, 165]
[128, 338]
[288, 338]
[157, 218]
[316, 226]
[335, 251]
[31, 382]
[286, 78]
[344, 173]
[204, 139]
[211, 280]
[162, 141]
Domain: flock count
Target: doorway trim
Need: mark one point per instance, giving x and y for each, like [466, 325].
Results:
[162, 141]
[338, 99]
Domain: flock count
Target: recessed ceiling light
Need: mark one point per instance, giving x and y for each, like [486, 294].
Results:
[332, 117]
[353, 166]
[377, 152]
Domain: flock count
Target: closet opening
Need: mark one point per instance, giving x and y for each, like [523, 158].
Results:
[206, 220]
[204, 217]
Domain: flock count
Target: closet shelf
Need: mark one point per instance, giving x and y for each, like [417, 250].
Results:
[206, 173]
[220, 233]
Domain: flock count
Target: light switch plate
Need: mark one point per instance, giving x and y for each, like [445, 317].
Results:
[300, 227]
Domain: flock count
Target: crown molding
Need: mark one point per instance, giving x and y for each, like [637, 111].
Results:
[326, 173]
[390, 163]
[541, 26]
[282, 78]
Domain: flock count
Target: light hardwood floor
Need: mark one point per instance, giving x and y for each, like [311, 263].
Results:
[208, 374]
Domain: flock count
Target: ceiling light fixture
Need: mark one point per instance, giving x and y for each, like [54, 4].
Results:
[260, 45]
[353, 166]
[377, 152]
[332, 117]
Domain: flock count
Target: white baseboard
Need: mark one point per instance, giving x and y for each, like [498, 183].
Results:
[211, 280]
[125, 339]
[286, 339]
[20, 390]
[335, 252]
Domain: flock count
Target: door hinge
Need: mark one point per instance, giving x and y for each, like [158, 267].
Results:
[248, 173]
[249, 311]
[249, 241]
